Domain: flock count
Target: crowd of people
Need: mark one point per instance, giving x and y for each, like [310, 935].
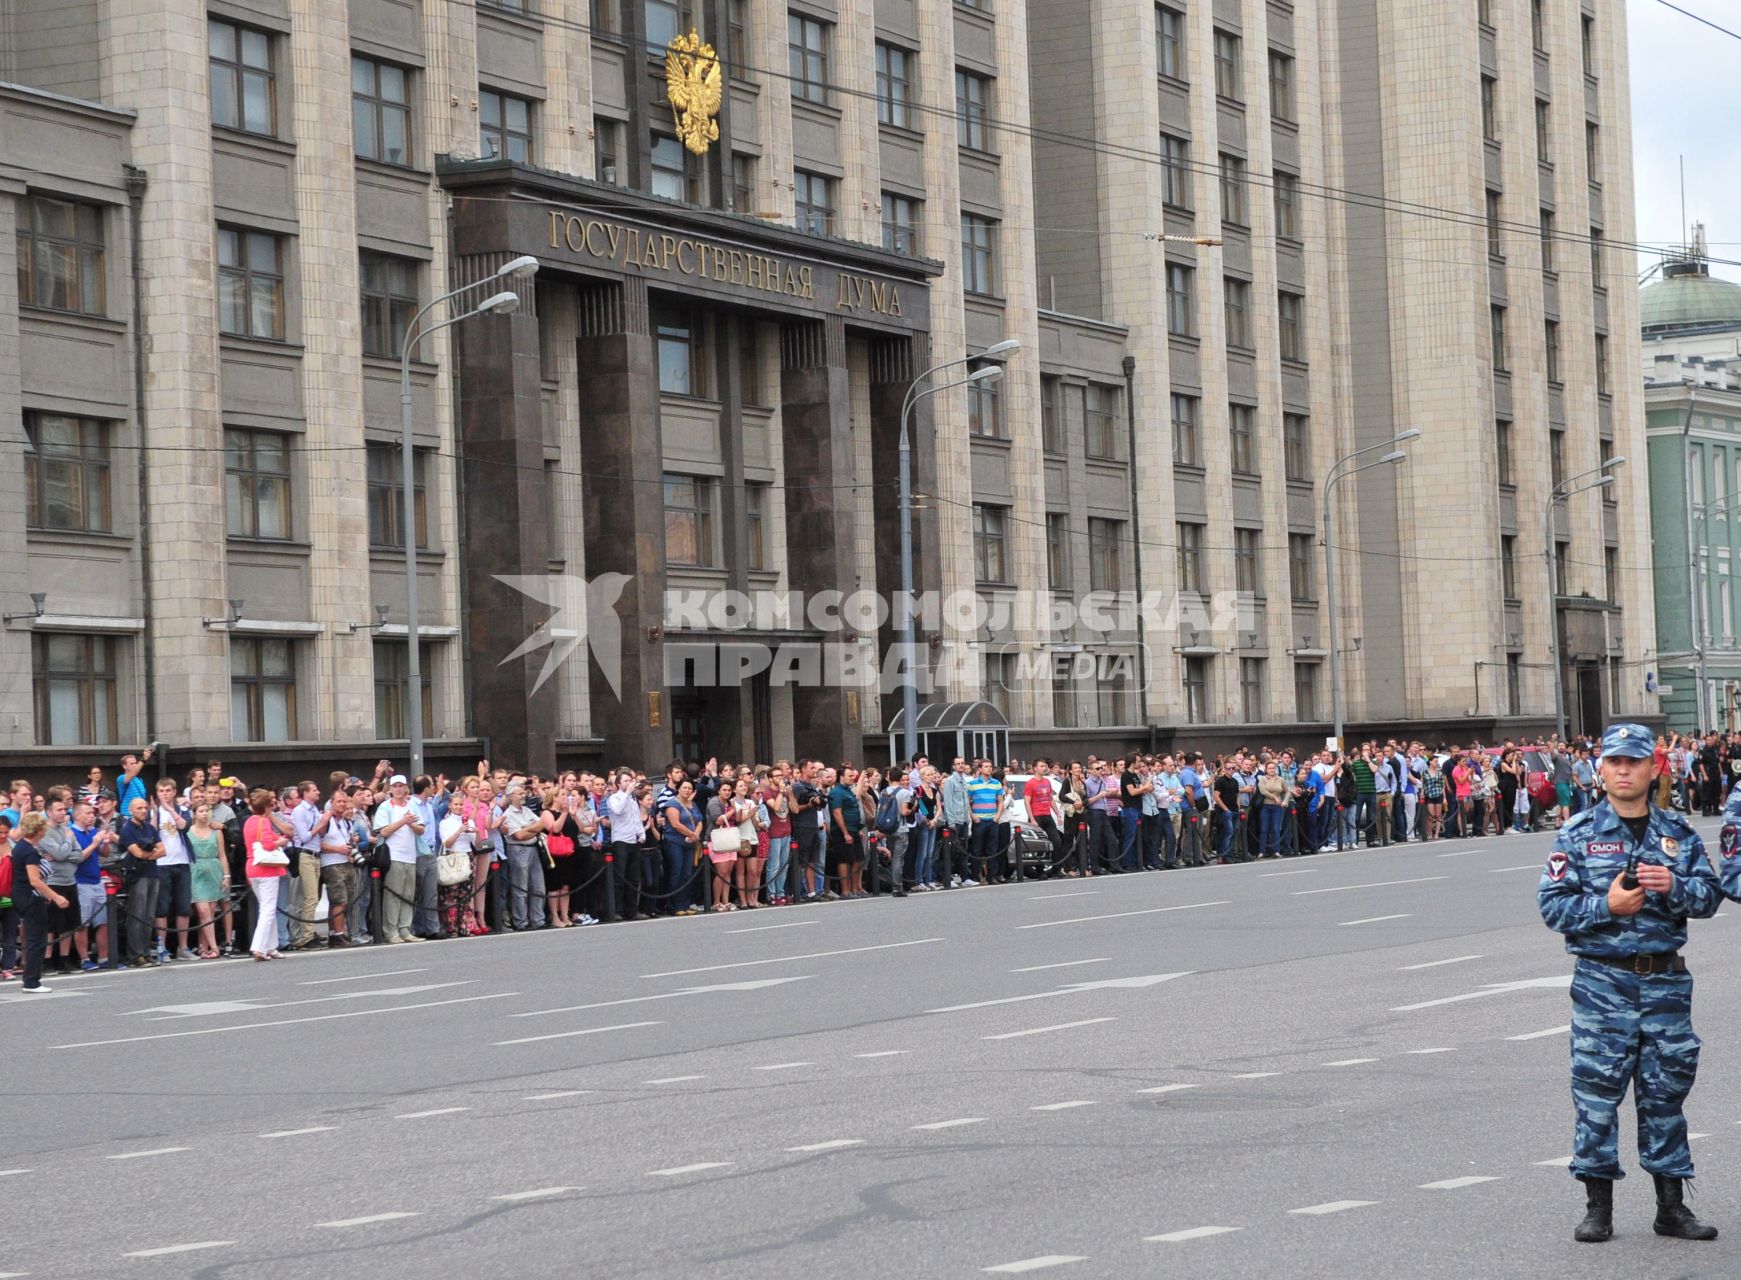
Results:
[118, 870]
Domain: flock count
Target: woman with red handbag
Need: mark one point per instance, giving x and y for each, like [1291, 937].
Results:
[562, 835]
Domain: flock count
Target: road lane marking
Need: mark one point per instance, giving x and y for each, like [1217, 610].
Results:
[288, 1022]
[950, 1124]
[1062, 964]
[1558, 1162]
[1540, 1035]
[833, 1144]
[168, 1249]
[1069, 989]
[814, 955]
[1169, 1088]
[584, 1031]
[1047, 897]
[1461, 853]
[1436, 1049]
[1256, 1075]
[674, 1080]
[366, 1220]
[763, 928]
[681, 1169]
[1189, 1233]
[1119, 915]
[297, 1133]
[424, 1115]
[1033, 1264]
[1303, 871]
[1376, 884]
[551, 1097]
[360, 977]
[753, 984]
[1434, 964]
[1490, 989]
[883, 1053]
[1522, 866]
[1334, 1206]
[1694, 1137]
[1064, 1106]
[1407, 915]
[9, 1173]
[140, 1155]
[785, 1066]
[174, 1012]
[1349, 1062]
[1057, 1026]
[542, 1193]
[1455, 1184]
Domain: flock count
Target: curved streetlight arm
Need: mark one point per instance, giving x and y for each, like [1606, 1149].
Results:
[995, 352]
[1569, 485]
[1412, 433]
[913, 400]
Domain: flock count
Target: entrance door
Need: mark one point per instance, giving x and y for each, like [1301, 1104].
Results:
[1590, 719]
[688, 718]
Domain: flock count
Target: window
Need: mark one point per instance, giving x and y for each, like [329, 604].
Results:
[1287, 196]
[807, 57]
[1537, 27]
[1281, 87]
[1186, 449]
[749, 362]
[1241, 433]
[256, 484]
[1562, 567]
[1726, 607]
[900, 224]
[1246, 571]
[392, 673]
[241, 77]
[1489, 109]
[999, 674]
[1547, 232]
[1190, 556]
[61, 263]
[1305, 691]
[1502, 443]
[1484, 12]
[666, 20]
[1514, 684]
[1557, 457]
[988, 543]
[894, 86]
[554, 550]
[689, 506]
[262, 689]
[1227, 83]
[1587, 43]
[66, 473]
[1112, 694]
[1251, 690]
[1542, 133]
[1175, 171]
[978, 254]
[1057, 550]
[756, 526]
[1495, 231]
[504, 126]
[1596, 281]
[813, 202]
[1063, 700]
[1196, 690]
[1593, 150]
[387, 496]
[1181, 304]
[1611, 573]
[1169, 42]
[682, 364]
[1237, 296]
[606, 16]
[1300, 584]
[972, 100]
[250, 284]
[380, 111]
[671, 174]
[743, 182]
[607, 146]
[1508, 565]
[1100, 413]
[1104, 571]
[1496, 324]
[389, 302]
[1551, 343]
[74, 679]
[1602, 386]
[1051, 424]
[1295, 452]
[985, 409]
[1291, 325]
[1233, 208]
[737, 37]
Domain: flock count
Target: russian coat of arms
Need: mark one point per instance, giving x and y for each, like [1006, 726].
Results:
[692, 87]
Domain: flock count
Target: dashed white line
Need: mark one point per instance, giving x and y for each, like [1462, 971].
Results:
[542, 1193]
[1256, 1075]
[833, 1144]
[140, 1155]
[584, 1031]
[785, 1066]
[1522, 866]
[1542, 1035]
[437, 1111]
[1376, 884]
[1119, 915]
[366, 1220]
[1434, 964]
[1334, 1206]
[883, 1053]
[1558, 1162]
[950, 1124]
[11, 1173]
[1064, 1106]
[1040, 1031]
[1461, 853]
[1407, 915]
[359, 977]
[681, 1169]
[297, 1133]
[288, 1022]
[814, 955]
[1032, 1264]
[1435, 1049]
[168, 1249]
[1047, 897]
[674, 1080]
[1189, 1233]
[1303, 871]
[1350, 1062]
[1062, 964]
[1455, 1184]
[551, 1097]
[1694, 1137]
[1168, 1088]
[763, 928]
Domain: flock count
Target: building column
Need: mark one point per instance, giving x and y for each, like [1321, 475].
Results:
[821, 544]
[623, 459]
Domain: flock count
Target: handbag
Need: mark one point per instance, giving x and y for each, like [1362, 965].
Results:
[264, 857]
[559, 846]
[725, 840]
[453, 866]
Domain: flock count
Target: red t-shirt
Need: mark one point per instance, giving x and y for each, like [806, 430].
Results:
[778, 824]
[1037, 791]
[259, 830]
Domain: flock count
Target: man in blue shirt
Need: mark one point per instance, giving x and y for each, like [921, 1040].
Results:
[1190, 813]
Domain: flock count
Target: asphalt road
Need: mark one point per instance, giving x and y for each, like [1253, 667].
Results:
[1344, 1065]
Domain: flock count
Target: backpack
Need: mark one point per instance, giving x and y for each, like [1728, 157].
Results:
[889, 811]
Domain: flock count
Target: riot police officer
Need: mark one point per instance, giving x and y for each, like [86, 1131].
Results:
[1632, 995]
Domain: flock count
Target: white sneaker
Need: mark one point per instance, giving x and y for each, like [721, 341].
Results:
[36, 991]
[970, 883]
[954, 882]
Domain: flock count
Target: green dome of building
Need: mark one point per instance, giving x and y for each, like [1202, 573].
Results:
[1688, 299]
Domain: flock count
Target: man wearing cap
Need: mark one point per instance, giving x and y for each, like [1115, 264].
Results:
[398, 823]
[1632, 996]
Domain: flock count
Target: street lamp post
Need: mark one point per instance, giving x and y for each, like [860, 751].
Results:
[1558, 494]
[521, 268]
[1336, 476]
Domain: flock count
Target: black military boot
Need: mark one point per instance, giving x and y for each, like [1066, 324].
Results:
[1673, 1218]
[1598, 1223]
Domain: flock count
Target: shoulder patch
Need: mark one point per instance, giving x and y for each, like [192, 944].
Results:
[1557, 865]
[1730, 840]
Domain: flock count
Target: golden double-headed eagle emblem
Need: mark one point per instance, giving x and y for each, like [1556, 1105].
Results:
[692, 87]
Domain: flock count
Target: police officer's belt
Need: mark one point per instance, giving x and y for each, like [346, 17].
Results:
[1642, 965]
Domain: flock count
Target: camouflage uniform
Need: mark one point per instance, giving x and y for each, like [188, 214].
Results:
[1729, 868]
[1627, 1025]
